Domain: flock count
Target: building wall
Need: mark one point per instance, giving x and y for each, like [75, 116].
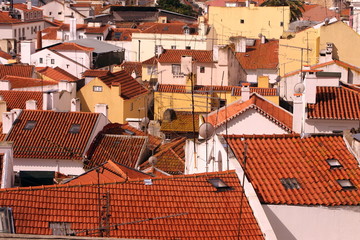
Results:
[347, 75]
[83, 58]
[314, 222]
[59, 11]
[252, 75]
[328, 126]
[227, 22]
[135, 107]
[250, 122]
[127, 45]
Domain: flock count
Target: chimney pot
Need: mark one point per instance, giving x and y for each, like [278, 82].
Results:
[102, 108]
[31, 105]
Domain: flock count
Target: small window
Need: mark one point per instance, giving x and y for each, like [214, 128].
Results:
[41, 60]
[59, 13]
[173, 47]
[222, 102]
[242, 21]
[202, 69]
[346, 184]
[219, 184]
[290, 183]
[186, 30]
[281, 24]
[188, 47]
[74, 128]
[52, 61]
[30, 125]
[50, 13]
[97, 88]
[175, 69]
[334, 163]
[6, 220]
[131, 106]
[99, 38]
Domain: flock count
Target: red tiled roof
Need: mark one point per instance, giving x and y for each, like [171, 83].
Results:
[66, 27]
[50, 33]
[126, 150]
[17, 70]
[5, 55]
[17, 99]
[122, 34]
[81, 5]
[5, 18]
[49, 139]
[23, 7]
[95, 73]
[271, 158]
[170, 28]
[174, 55]
[201, 89]
[129, 86]
[261, 55]
[24, 82]
[96, 30]
[110, 171]
[317, 13]
[2, 135]
[341, 103]
[273, 112]
[174, 207]
[170, 157]
[56, 73]
[182, 123]
[130, 67]
[68, 46]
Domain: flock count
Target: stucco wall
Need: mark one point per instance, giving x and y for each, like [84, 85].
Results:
[328, 126]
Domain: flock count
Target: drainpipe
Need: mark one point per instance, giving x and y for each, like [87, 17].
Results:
[139, 51]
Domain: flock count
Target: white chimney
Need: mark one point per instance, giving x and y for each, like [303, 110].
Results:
[310, 83]
[28, 4]
[7, 120]
[102, 108]
[72, 29]
[27, 48]
[31, 105]
[298, 113]
[64, 86]
[46, 101]
[263, 39]
[329, 52]
[186, 65]
[245, 92]
[202, 28]
[75, 105]
[159, 50]
[5, 85]
[16, 112]
[240, 44]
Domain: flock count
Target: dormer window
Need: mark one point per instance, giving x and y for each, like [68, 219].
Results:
[75, 128]
[30, 125]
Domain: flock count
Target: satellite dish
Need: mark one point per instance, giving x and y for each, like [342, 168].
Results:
[299, 88]
[206, 130]
[145, 121]
[153, 160]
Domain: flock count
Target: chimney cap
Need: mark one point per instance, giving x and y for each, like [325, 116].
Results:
[245, 84]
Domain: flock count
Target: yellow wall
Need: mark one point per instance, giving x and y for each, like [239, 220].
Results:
[144, 71]
[345, 40]
[264, 20]
[118, 109]
[290, 53]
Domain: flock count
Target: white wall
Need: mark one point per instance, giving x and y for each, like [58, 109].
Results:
[69, 167]
[254, 74]
[250, 122]
[7, 178]
[129, 53]
[327, 126]
[314, 222]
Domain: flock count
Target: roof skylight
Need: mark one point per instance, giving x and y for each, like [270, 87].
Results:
[333, 163]
[290, 183]
[30, 125]
[74, 128]
[346, 184]
[219, 184]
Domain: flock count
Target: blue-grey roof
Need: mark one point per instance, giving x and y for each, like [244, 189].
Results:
[99, 46]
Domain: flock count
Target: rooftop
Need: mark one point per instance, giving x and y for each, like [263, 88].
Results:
[174, 56]
[56, 73]
[17, 99]
[26, 82]
[70, 46]
[17, 70]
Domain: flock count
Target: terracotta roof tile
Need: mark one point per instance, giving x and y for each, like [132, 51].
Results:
[110, 171]
[275, 158]
[126, 150]
[17, 70]
[5, 18]
[95, 73]
[96, 30]
[273, 112]
[23, 7]
[182, 123]
[174, 207]
[68, 46]
[81, 5]
[170, 157]
[50, 33]
[24, 82]
[17, 99]
[171, 28]
[174, 55]
[340, 103]
[317, 13]
[56, 73]
[121, 34]
[129, 86]
[5, 55]
[2, 135]
[49, 139]
[130, 67]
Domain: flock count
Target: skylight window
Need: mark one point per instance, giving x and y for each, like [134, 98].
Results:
[30, 125]
[129, 132]
[74, 128]
[346, 184]
[219, 184]
[290, 183]
[334, 163]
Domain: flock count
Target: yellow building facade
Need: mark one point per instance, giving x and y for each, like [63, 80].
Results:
[248, 22]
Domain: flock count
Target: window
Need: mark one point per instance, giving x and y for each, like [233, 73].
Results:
[52, 61]
[173, 47]
[333, 163]
[74, 128]
[66, 37]
[14, 33]
[61, 228]
[99, 38]
[188, 47]
[41, 60]
[97, 88]
[281, 24]
[29, 125]
[346, 184]
[175, 69]
[151, 70]
[6, 220]
[186, 30]
[242, 21]
[290, 183]
[59, 13]
[222, 102]
[131, 106]
[219, 184]
[202, 69]
[67, 65]
[50, 13]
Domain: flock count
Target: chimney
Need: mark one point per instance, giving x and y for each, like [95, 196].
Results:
[46, 101]
[186, 65]
[223, 56]
[31, 105]
[159, 50]
[162, 19]
[39, 39]
[102, 108]
[245, 92]
[263, 39]
[27, 48]
[64, 86]
[115, 89]
[5, 85]
[28, 4]
[3, 107]
[202, 27]
[75, 105]
[329, 52]
[72, 29]
[7, 120]
[310, 83]
[298, 113]
[240, 44]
